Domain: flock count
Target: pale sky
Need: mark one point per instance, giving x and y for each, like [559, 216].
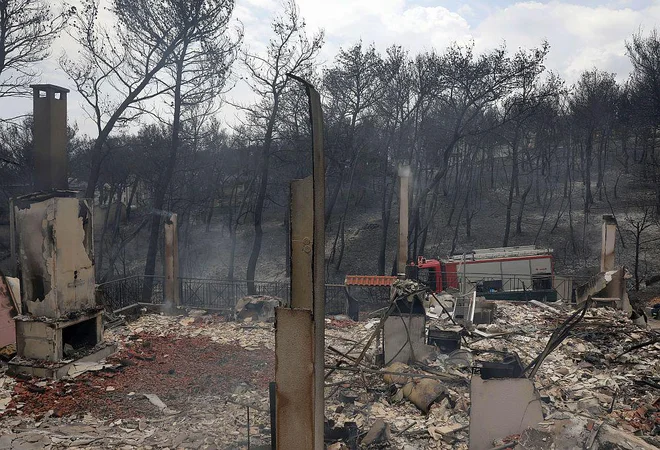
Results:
[581, 34]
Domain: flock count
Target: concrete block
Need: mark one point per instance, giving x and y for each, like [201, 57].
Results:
[38, 340]
[395, 337]
[501, 407]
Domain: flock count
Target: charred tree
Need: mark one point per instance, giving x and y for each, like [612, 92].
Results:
[289, 51]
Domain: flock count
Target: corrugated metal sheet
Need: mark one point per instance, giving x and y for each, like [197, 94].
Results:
[369, 280]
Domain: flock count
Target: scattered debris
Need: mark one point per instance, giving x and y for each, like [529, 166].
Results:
[425, 392]
[256, 308]
[158, 403]
[379, 433]
[196, 313]
[80, 367]
[211, 369]
[569, 431]
[8, 352]
[343, 438]
[544, 306]
[447, 340]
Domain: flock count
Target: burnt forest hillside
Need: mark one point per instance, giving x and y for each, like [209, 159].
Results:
[501, 151]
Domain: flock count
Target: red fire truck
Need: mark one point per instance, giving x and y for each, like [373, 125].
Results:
[512, 273]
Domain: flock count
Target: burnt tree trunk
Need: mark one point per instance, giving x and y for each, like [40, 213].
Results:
[638, 245]
[588, 197]
[385, 213]
[523, 198]
[106, 219]
[341, 232]
[130, 199]
[261, 198]
[512, 190]
[164, 182]
[332, 199]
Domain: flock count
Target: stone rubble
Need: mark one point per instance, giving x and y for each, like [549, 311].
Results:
[583, 378]
[249, 336]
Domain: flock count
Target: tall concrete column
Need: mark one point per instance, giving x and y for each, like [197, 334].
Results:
[301, 241]
[295, 331]
[402, 253]
[607, 255]
[299, 327]
[50, 139]
[171, 265]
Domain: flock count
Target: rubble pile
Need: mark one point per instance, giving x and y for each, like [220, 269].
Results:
[589, 373]
[173, 369]
[208, 424]
[6, 390]
[589, 376]
[177, 381]
[189, 381]
[250, 336]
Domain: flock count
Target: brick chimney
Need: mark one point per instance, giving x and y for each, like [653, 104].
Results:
[61, 322]
[50, 138]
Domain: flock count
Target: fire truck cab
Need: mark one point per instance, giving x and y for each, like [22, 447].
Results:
[488, 270]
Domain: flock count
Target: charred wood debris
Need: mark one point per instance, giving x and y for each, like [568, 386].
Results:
[428, 371]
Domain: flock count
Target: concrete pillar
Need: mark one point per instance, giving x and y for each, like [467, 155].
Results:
[301, 235]
[50, 138]
[607, 254]
[402, 253]
[318, 249]
[171, 288]
[299, 328]
[295, 331]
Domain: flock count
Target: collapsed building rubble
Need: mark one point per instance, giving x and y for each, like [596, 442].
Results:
[202, 368]
[593, 379]
[589, 374]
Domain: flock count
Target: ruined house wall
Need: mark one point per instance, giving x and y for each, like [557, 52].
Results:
[55, 256]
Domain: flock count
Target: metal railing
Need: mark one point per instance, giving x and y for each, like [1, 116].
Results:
[124, 292]
[508, 282]
[370, 298]
[335, 299]
[223, 294]
[564, 286]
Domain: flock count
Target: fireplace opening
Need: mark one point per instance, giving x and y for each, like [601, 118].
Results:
[80, 336]
[38, 288]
